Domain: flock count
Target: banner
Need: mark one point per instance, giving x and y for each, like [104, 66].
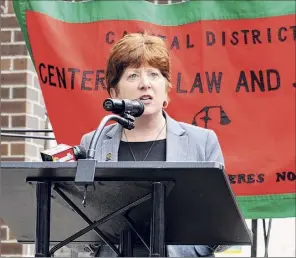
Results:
[233, 71]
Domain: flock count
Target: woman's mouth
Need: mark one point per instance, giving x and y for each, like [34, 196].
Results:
[146, 99]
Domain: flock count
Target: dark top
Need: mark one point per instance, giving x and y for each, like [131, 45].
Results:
[140, 150]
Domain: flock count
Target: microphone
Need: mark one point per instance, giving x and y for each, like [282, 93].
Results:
[63, 153]
[120, 106]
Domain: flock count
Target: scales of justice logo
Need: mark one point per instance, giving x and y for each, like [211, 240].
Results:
[204, 115]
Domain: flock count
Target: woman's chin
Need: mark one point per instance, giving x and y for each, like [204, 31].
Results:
[150, 111]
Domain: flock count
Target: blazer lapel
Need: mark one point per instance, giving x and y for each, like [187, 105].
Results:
[177, 141]
[110, 145]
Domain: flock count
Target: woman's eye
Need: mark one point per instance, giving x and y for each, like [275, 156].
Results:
[132, 76]
[154, 74]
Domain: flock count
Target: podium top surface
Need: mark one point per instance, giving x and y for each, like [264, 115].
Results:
[200, 208]
[111, 164]
[109, 169]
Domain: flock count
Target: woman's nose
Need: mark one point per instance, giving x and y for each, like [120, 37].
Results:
[144, 82]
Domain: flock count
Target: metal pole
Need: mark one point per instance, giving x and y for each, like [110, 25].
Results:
[157, 233]
[27, 136]
[255, 233]
[126, 246]
[43, 198]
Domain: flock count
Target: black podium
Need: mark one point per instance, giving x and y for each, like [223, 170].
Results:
[172, 203]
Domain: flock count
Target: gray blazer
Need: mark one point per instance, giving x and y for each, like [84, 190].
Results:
[185, 142]
[193, 143]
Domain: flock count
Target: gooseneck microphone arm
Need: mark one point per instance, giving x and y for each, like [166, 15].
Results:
[85, 171]
[127, 121]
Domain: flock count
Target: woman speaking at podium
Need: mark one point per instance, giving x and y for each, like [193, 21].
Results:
[139, 68]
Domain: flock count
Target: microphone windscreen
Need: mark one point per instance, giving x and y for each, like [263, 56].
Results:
[79, 152]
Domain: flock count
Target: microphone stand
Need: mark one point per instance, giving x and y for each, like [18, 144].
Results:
[126, 120]
[85, 171]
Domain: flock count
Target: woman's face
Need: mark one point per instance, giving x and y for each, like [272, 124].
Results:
[145, 83]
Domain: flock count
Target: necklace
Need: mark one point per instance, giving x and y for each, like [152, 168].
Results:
[147, 154]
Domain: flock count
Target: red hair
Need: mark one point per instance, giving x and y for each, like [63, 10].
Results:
[135, 50]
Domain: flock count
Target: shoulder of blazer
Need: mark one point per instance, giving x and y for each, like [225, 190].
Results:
[86, 138]
[199, 135]
[195, 131]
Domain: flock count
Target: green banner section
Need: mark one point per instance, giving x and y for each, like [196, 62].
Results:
[166, 15]
[268, 206]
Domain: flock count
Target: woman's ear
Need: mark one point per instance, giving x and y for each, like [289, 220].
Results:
[167, 98]
[113, 93]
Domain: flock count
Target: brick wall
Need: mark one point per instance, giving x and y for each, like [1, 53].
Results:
[9, 246]
[22, 106]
